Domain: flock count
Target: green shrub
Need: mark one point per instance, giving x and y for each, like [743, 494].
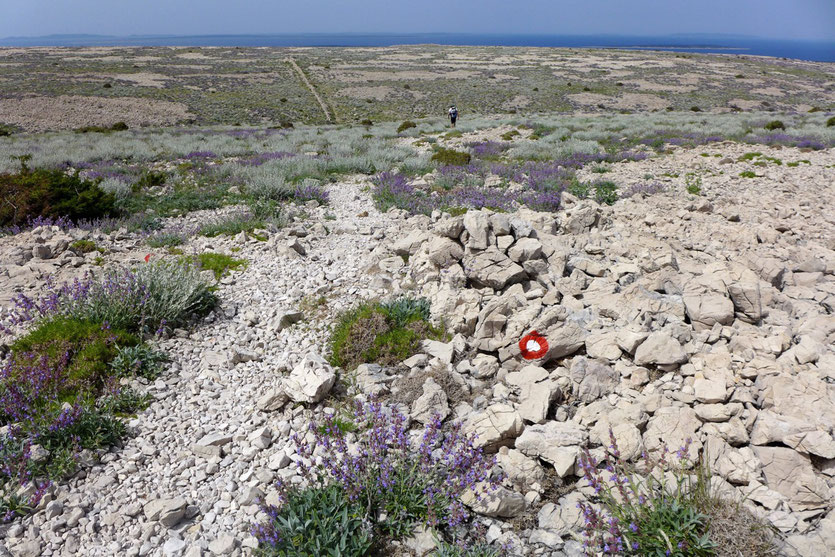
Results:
[775, 125]
[77, 349]
[831, 122]
[7, 129]
[509, 135]
[150, 179]
[84, 246]
[366, 122]
[747, 174]
[405, 310]
[693, 183]
[51, 193]
[383, 333]
[139, 360]
[749, 156]
[219, 263]
[450, 157]
[408, 124]
[318, 521]
[695, 109]
[166, 239]
[578, 189]
[479, 549]
[117, 127]
[142, 299]
[645, 515]
[605, 192]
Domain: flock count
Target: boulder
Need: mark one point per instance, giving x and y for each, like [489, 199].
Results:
[536, 392]
[411, 243]
[592, 379]
[563, 517]
[450, 228]
[525, 249]
[797, 411]
[167, 512]
[432, 402]
[563, 340]
[272, 400]
[557, 443]
[444, 252]
[501, 502]
[671, 426]
[792, 475]
[737, 466]
[477, 224]
[705, 310]
[496, 426]
[520, 470]
[311, 380]
[493, 269]
[660, 349]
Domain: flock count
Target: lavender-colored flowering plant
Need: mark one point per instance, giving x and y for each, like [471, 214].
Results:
[659, 512]
[396, 479]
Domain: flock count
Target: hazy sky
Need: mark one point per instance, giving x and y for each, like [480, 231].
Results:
[813, 19]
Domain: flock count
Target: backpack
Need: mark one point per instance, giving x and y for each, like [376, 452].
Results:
[453, 112]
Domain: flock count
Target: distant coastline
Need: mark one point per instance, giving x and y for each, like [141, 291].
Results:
[818, 51]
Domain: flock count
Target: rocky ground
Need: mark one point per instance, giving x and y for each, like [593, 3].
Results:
[667, 316]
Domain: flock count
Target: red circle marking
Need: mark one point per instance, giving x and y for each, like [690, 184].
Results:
[528, 346]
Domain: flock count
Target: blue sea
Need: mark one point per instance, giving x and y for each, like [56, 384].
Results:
[820, 51]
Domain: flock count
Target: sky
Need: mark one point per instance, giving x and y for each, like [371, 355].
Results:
[775, 19]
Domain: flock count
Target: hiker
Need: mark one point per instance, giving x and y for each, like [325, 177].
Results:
[453, 115]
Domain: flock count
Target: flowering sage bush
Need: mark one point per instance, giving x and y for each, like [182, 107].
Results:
[658, 513]
[392, 481]
[145, 298]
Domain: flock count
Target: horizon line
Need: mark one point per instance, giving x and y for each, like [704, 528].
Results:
[417, 33]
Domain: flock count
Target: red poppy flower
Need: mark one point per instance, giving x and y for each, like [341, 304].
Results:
[148, 257]
[533, 346]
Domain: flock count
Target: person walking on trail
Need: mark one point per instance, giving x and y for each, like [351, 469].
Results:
[453, 115]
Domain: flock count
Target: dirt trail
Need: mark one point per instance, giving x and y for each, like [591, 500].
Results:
[312, 90]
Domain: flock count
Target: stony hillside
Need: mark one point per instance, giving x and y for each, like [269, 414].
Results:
[700, 323]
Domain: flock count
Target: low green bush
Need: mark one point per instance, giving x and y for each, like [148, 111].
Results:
[509, 135]
[578, 189]
[79, 350]
[219, 263]
[408, 124]
[166, 239]
[693, 183]
[831, 122]
[139, 360]
[143, 299]
[451, 157]
[84, 246]
[318, 521]
[383, 333]
[456, 549]
[51, 193]
[117, 127]
[747, 174]
[642, 515]
[605, 192]
[775, 125]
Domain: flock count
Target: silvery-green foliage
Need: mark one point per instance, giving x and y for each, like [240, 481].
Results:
[265, 182]
[118, 188]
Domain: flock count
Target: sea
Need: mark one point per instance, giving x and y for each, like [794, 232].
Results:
[819, 51]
